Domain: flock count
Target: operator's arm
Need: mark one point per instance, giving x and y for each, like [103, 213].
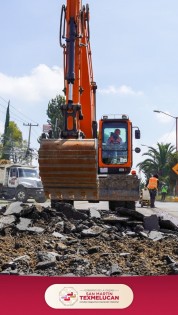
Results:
[110, 140]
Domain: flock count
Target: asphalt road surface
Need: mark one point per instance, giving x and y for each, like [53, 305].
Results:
[164, 209]
[169, 209]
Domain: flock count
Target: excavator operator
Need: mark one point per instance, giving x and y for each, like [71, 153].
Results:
[115, 137]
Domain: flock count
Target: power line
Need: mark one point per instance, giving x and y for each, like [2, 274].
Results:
[17, 110]
[3, 105]
[35, 134]
[30, 127]
[20, 119]
[2, 112]
[3, 99]
[13, 114]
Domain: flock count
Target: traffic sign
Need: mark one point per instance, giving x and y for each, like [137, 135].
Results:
[46, 128]
[175, 168]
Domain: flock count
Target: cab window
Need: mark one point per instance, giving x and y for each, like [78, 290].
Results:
[13, 172]
[114, 144]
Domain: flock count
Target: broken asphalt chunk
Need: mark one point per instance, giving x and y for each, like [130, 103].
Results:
[94, 231]
[151, 223]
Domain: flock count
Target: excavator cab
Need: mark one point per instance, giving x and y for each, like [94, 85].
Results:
[115, 145]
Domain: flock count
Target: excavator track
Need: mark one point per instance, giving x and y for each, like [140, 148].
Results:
[68, 168]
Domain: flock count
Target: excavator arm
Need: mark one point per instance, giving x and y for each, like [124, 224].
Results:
[68, 165]
[81, 164]
[80, 109]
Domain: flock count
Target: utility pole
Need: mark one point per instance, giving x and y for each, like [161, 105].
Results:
[29, 135]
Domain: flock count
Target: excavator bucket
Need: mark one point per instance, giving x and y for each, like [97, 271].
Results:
[68, 168]
[119, 187]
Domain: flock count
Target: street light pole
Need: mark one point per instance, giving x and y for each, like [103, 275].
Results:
[176, 118]
[176, 134]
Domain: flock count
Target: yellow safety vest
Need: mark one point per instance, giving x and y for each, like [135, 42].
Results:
[153, 183]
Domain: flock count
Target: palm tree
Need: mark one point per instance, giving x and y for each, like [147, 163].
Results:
[158, 161]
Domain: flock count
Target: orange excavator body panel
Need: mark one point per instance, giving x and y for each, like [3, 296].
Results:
[83, 86]
[81, 164]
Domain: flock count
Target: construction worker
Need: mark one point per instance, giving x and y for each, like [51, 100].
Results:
[115, 137]
[152, 184]
[164, 190]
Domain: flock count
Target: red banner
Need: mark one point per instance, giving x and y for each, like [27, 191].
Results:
[69, 295]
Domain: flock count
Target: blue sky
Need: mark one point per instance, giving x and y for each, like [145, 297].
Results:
[135, 63]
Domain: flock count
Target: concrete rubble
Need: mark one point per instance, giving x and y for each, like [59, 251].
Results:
[42, 241]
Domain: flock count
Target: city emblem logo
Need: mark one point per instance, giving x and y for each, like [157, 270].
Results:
[68, 296]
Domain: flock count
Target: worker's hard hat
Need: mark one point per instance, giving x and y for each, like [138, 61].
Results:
[133, 172]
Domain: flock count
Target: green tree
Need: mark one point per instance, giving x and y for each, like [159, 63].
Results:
[14, 133]
[5, 137]
[13, 141]
[54, 113]
[158, 161]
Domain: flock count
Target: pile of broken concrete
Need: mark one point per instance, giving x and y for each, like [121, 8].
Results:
[37, 240]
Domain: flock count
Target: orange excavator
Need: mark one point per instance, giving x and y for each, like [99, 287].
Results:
[86, 162]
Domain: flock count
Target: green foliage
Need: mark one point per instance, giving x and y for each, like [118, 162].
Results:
[12, 145]
[13, 133]
[6, 125]
[54, 113]
[11, 140]
[159, 162]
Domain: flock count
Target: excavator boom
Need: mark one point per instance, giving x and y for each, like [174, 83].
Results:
[68, 165]
[81, 164]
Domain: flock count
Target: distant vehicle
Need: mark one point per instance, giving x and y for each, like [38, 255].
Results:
[20, 182]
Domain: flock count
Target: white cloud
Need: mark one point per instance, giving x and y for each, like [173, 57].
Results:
[123, 90]
[29, 95]
[41, 84]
